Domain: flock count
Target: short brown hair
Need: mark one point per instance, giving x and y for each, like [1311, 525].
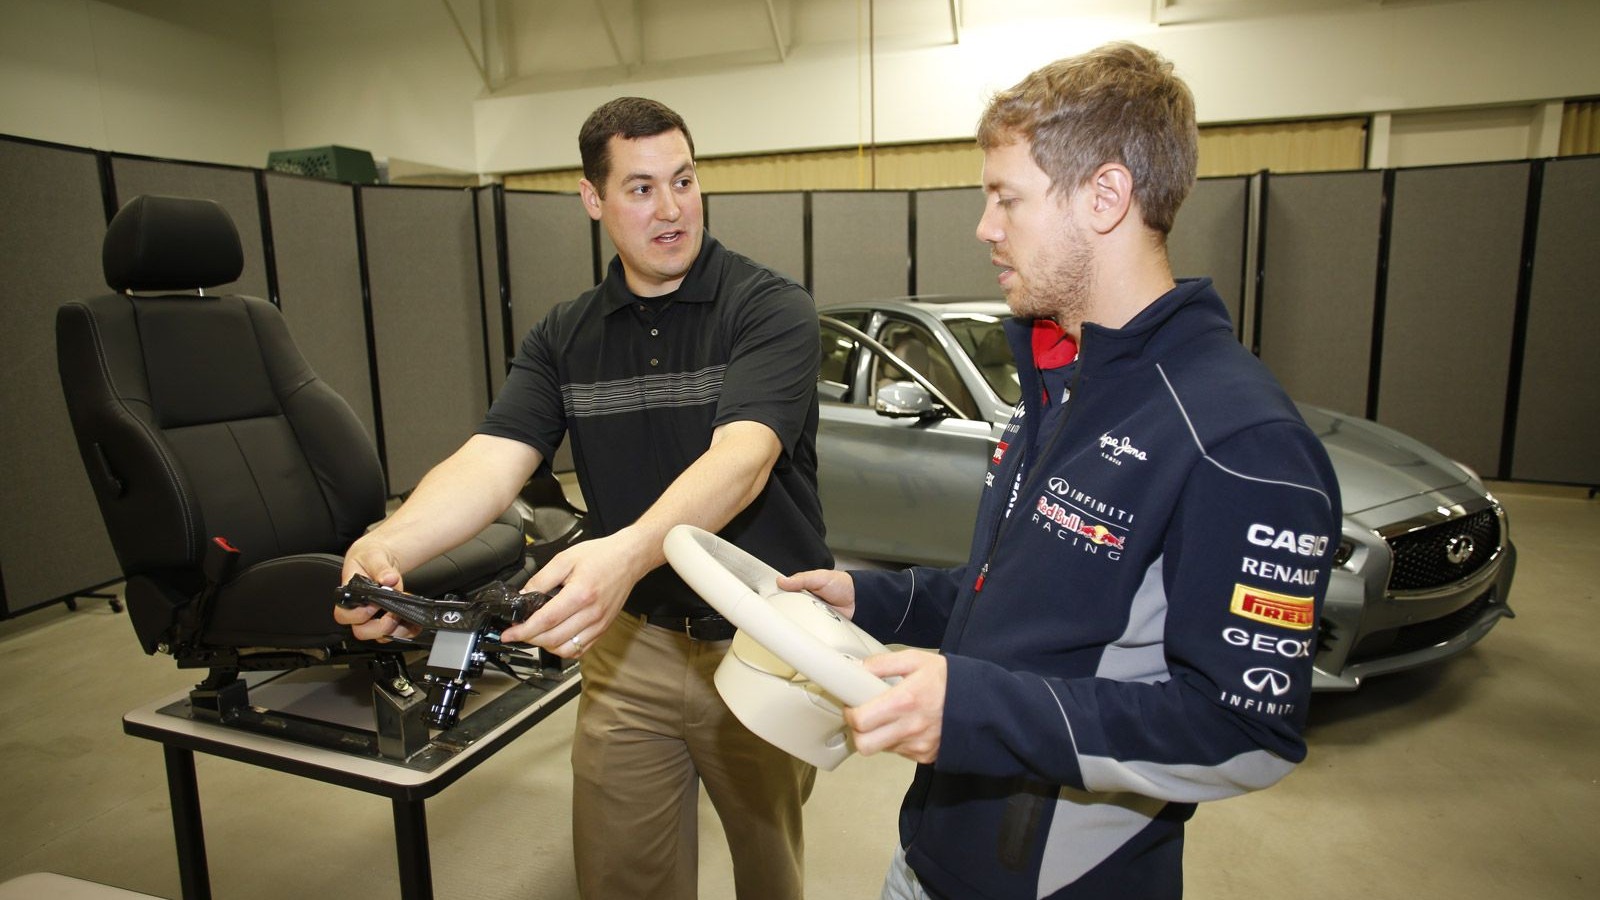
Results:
[1119, 103]
[628, 118]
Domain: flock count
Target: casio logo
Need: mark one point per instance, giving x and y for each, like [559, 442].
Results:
[1303, 544]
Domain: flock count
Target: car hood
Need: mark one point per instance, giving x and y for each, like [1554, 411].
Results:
[1378, 465]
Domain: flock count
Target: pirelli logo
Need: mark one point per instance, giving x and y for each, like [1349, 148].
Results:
[1283, 610]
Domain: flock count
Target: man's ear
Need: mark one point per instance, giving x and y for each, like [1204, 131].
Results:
[591, 198]
[1110, 196]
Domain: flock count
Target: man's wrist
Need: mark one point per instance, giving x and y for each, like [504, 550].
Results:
[640, 551]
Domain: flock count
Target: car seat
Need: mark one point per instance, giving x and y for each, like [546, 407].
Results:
[911, 345]
[231, 479]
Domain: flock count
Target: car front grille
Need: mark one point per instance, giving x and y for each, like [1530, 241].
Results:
[1423, 634]
[1423, 558]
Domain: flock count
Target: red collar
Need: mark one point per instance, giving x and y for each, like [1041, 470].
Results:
[1052, 346]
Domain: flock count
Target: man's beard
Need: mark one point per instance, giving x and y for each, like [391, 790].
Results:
[1060, 288]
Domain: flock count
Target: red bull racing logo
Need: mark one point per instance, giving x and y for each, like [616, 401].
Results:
[1075, 526]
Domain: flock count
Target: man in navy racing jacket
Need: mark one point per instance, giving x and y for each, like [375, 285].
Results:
[1134, 629]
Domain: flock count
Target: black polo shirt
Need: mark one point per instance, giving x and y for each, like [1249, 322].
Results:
[638, 384]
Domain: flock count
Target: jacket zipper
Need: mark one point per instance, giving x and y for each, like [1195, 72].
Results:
[1032, 480]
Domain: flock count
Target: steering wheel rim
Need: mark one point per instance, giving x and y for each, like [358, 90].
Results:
[742, 587]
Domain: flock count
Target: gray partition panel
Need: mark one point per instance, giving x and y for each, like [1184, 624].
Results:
[551, 253]
[607, 249]
[860, 248]
[950, 258]
[489, 238]
[427, 319]
[768, 228]
[1455, 252]
[1317, 295]
[52, 542]
[319, 283]
[1208, 238]
[234, 189]
[1558, 411]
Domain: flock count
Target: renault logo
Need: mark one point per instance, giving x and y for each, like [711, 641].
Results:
[1263, 680]
[1459, 549]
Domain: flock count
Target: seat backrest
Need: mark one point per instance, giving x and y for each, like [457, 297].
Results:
[197, 416]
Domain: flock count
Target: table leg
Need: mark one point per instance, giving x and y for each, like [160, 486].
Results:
[187, 827]
[411, 848]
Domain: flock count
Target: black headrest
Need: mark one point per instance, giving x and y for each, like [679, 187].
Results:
[170, 244]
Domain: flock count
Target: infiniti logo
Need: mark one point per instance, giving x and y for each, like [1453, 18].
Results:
[1459, 549]
[1262, 680]
[451, 617]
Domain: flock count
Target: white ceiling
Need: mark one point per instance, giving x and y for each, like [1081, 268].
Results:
[535, 45]
[524, 46]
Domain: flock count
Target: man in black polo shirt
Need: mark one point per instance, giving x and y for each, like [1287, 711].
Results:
[687, 383]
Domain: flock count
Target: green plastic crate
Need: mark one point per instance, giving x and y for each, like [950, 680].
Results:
[333, 163]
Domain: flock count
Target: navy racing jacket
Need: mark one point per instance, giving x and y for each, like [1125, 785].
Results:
[1134, 630]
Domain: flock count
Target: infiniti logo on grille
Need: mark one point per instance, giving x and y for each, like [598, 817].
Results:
[1459, 549]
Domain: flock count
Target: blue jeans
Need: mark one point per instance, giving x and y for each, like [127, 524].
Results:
[901, 883]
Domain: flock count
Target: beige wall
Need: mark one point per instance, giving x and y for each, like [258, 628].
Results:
[1338, 59]
[389, 76]
[227, 82]
[129, 77]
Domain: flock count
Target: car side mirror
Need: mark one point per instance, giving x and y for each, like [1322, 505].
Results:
[907, 400]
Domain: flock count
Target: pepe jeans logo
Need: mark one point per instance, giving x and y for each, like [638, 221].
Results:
[1112, 449]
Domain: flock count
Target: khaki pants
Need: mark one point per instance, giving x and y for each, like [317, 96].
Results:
[651, 727]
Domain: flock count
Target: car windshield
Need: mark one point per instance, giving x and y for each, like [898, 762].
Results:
[985, 344]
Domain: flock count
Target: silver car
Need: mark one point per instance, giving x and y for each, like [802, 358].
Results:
[915, 392]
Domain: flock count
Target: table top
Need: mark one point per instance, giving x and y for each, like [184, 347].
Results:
[500, 709]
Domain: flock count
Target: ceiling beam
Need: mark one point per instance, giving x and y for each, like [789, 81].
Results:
[777, 33]
[611, 35]
[478, 64]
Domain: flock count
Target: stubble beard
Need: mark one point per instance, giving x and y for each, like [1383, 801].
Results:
[1062, 287]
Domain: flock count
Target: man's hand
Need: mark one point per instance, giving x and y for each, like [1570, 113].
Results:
[589, 582]
[908, 718]
[835, 586]
[368, 622]
[453, 502]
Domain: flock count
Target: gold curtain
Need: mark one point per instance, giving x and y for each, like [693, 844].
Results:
[1327, 145]
[1324, 145]
[564, 180]
[1580, 128]
[903, 167]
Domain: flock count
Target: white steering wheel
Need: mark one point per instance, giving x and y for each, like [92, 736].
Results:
[797, 628]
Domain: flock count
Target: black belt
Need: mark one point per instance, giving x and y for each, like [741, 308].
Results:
[698, 628]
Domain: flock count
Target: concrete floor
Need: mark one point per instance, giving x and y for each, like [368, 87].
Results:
[1477, 779]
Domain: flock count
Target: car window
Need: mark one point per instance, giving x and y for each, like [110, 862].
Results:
[838, 354]
[984, 341]
[915, 347]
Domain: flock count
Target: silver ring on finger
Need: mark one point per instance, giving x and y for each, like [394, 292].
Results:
[576, 644]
